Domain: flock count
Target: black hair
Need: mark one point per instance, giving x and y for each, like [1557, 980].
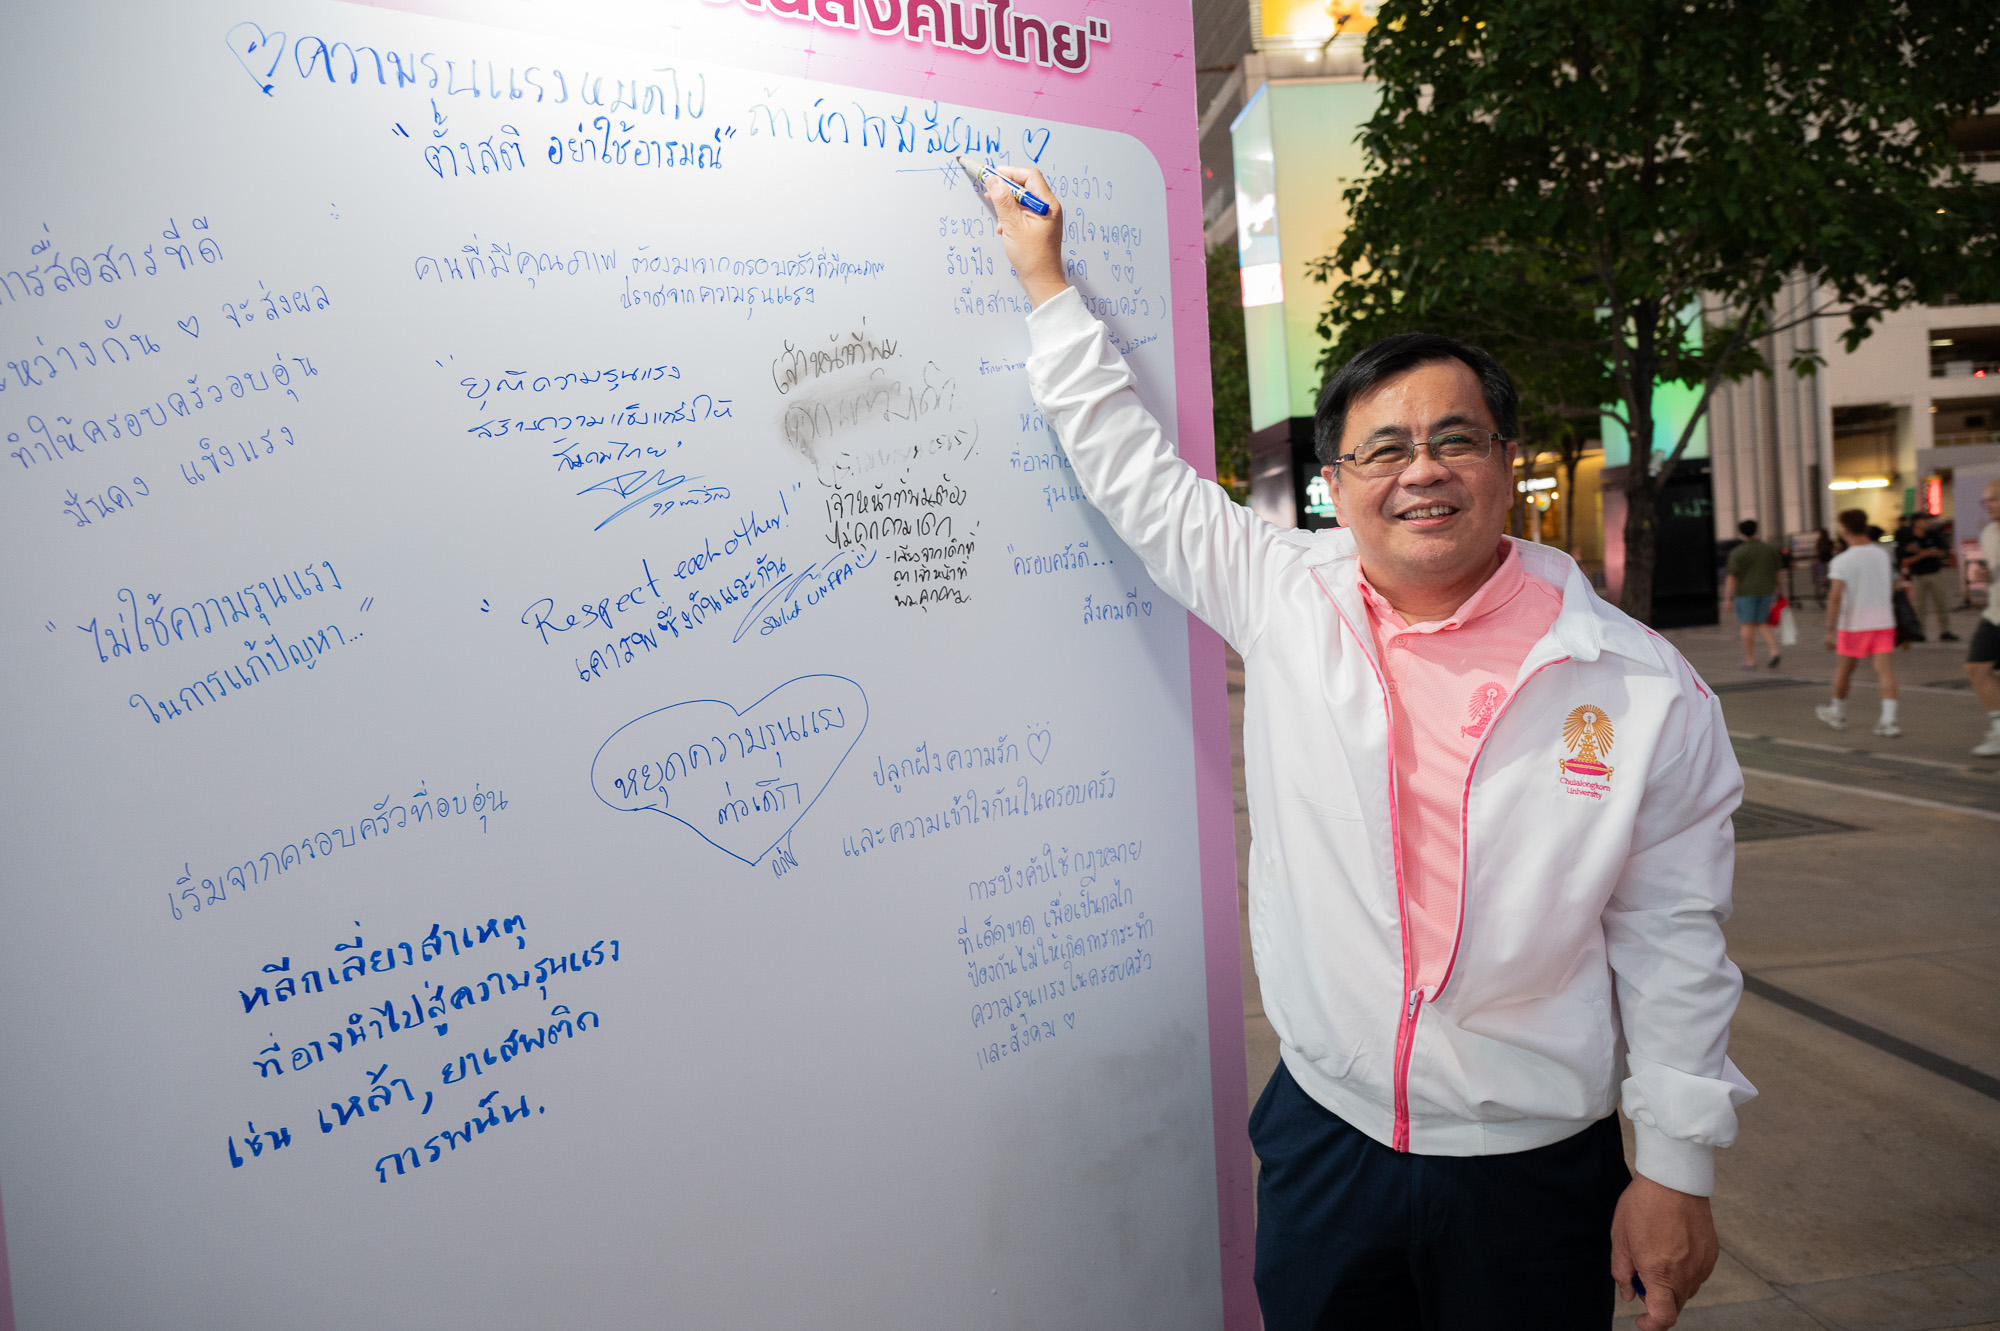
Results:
[1854, 520]
[1747, 527]
[1392, 356]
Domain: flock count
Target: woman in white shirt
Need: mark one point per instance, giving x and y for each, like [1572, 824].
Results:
[1861, 621]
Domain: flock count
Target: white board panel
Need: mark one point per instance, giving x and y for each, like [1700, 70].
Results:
[508, 557]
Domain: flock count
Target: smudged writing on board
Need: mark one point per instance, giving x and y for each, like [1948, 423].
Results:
[456, 1137]
[796, 365]
[740, 778]
[810, 421]
[134, 629]
[271, 658]
[229, 454]
[271, 60]
[1051, 864]
[604, 144]
[1021, 799]
[48, 273]
[378, 961]
[976, 27]
[1116, 611]
[420, 807]
[431, 1008]
[45, 443]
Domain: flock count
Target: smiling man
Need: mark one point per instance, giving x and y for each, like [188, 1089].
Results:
[1491, 853]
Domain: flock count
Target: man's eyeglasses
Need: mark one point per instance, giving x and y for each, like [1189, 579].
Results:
[1390, 457]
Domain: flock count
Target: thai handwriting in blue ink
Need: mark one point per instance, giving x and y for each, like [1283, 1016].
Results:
[51, 273]
[253, 1142]
[1117, 611]
[275, 305]
[377, 961]
[740, 778]
[483, 804]
[972, 808]
[144, 628]
[453, 1137]
[220, 684]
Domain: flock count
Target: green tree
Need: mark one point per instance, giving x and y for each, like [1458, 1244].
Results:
[1229, 372]
[1613, 193]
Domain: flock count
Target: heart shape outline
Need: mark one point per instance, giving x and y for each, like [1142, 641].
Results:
[1039, 755]
[183, 325]
[737, 713]
[249, 45]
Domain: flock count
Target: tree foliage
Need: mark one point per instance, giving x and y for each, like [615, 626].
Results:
[1229, 372]
[1613, 193]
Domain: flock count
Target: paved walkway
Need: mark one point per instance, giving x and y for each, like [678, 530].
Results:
[1864, 1192]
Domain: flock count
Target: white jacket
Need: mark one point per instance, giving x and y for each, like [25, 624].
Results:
[1597, 875]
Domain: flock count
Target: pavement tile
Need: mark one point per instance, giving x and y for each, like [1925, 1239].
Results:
[1851, 1162]
[1986, 1269]
[1767, 1315]
[1948, 1010]
[1917, 1300]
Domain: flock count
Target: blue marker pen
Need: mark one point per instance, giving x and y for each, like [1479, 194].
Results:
[1021, 194]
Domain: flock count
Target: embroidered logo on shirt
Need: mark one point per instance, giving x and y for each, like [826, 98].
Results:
[1486, 700]
[1587, 734]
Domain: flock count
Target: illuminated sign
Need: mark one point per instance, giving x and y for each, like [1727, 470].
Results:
[1319, 498]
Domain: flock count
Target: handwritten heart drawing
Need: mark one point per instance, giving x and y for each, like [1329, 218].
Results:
[250, 45]
[190, 325]
[1038, 745]
[1069, 1019]
[1028, 144]
[739, 777]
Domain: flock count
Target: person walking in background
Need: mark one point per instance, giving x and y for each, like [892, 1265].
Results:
[1861, 621]
[1752, 586]
[1925, 555]
[1823, 553]
[1981, 661]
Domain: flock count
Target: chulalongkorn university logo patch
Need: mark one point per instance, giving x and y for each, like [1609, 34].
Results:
[1588, 734]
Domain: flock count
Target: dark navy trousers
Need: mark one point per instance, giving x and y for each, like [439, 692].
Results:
[1352, 1236]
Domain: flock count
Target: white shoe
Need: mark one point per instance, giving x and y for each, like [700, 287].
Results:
[1888, 729]
[1825, 712]
[1990, 746]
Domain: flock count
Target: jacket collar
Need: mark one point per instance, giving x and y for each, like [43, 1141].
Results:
[1587, 626]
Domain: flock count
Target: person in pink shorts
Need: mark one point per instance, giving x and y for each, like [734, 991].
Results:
[1861, 621]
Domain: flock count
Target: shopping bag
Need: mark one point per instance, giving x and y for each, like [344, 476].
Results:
[1778, 608]
[1788, 628]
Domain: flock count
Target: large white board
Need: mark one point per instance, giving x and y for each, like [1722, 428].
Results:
[576, 757]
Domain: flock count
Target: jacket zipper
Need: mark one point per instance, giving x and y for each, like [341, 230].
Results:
[1399, 1138]
[1465, 820]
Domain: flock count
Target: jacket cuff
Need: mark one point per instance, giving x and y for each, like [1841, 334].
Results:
[1683, 1166]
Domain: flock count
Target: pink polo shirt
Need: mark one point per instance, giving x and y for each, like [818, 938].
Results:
[1447, 681]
